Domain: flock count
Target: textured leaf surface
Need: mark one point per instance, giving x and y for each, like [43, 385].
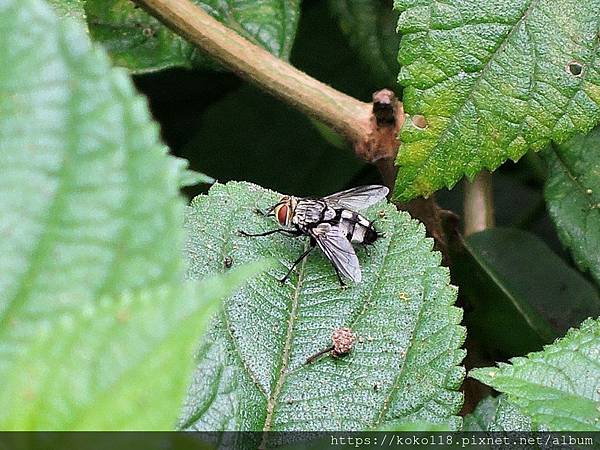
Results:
[109, 353]
[413, 426]
[572, 193]
[497, 414]
[92, 304]
[251, 372]
[513, 280]
[493, 79]
[557, 386]
[70, 8]
[370, 26]
[141, 43]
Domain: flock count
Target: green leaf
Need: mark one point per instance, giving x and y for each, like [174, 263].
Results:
[92, 298]
[192, 178]
[135, 336]
[90, 201]
[141, 43]
[70, 8]
[370, 26]
[514, 281]
[188, 177]
[415, 427]
[497, 414]
[483, 415]
[557, 386]
[493, 79]
[404, 366]
[572, 193]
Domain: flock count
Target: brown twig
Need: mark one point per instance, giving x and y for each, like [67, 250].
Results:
[363, 124]
[479, 203]
[345, 114]
[371, 128]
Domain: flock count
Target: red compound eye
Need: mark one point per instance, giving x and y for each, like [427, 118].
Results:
[282, 214]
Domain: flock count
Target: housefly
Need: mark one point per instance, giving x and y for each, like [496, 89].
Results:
[332, 223]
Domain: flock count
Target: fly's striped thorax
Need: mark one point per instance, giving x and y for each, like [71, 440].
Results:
[309, 212]
[358, 229]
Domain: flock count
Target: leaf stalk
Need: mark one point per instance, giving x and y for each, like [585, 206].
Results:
[478, 204]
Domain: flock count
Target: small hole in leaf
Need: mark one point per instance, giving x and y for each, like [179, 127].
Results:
[419, 121]
[148, 32]
[575, 68]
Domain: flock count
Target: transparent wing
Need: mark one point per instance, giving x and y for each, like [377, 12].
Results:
[338, 249]
[357, 198]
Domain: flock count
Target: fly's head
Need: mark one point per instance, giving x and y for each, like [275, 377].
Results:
[284, 210]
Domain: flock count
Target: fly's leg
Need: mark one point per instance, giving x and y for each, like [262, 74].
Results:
[339, 276]
[300, 258]
[260, 212]
[366, 248]
[267, 233]
[342, 284]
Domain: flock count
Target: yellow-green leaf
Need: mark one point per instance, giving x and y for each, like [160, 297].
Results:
[493, 79]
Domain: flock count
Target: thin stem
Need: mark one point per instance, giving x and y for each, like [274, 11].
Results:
[479, 203]
[346, 115]
[371, 128]
[311, 359]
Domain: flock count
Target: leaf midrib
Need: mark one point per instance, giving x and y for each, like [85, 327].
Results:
[285, 359]
[57, 204]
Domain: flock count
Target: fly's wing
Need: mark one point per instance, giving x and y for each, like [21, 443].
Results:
[338, 249]
[357, 198]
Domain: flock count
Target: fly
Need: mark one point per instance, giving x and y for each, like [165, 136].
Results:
[332, 223]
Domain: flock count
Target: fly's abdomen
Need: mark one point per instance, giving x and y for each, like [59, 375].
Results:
[358, 229]
[371, 235]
